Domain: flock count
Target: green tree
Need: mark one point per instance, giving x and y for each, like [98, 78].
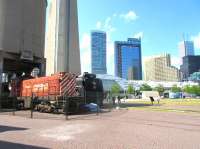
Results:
[145, 87]
[160, 89]
[175, 89]
[195, 89]
[115, 89]
[188, 89]
[131, 89]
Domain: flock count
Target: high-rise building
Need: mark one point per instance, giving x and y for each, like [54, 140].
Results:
[22, 36]
[128, 61]
[62, 40]
[190, 65]
[186, 48]
[195, 77]
[158, 68]
[98, 54]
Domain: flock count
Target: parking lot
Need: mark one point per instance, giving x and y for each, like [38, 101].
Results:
[119, 129]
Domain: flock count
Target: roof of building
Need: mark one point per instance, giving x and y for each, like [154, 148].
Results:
[124, 83]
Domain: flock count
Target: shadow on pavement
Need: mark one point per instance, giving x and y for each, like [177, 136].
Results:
[10, 128]
[10, 145]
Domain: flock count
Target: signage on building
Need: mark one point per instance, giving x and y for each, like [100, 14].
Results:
[27, 55]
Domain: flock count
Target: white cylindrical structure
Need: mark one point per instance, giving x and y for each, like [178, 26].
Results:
[62, 40]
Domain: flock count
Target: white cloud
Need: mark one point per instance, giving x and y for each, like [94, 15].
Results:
[130, 16]
[85, 53]
[85, 41]
[196, 40]
[114, 15]
[175, 61]
[98, 25]
[138, 35]
[110, 57]
[106, 25]
[107, 22]
[86, 61]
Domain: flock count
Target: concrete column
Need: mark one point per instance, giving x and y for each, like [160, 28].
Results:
[62, 41]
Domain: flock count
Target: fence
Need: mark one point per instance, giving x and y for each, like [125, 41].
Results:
[65, 109]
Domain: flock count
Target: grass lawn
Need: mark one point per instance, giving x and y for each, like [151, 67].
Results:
[180, 102]
[166, 105]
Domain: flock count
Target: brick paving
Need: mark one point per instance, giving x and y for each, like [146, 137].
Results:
[121, 129]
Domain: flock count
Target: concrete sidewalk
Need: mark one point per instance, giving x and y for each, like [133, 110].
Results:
[121, 129]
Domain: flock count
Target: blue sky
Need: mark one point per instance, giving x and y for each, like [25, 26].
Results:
[160, 23]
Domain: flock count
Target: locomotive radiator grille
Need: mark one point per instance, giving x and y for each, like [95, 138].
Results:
[68, 85]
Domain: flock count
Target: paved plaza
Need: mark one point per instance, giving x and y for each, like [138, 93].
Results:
[119, 129]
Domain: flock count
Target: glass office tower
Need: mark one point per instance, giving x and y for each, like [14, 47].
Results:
[186, 48]
[98, 54]
[128, 63]
[189, 66]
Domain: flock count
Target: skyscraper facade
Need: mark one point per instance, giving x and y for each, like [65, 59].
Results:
[128, 61]
[190, 65]
[158, 68]
[62, 40]
[186, 48]
[98, 54]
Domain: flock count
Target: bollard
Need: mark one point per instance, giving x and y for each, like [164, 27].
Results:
[66, 107]
[31, 106]
[14, 106]
[97, 101]
[109, 102]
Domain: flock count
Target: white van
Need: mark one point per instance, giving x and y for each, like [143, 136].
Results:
[147, 94]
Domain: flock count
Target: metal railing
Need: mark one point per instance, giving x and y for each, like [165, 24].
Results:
[12, 105]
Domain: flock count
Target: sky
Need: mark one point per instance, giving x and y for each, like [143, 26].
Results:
[160, 23]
